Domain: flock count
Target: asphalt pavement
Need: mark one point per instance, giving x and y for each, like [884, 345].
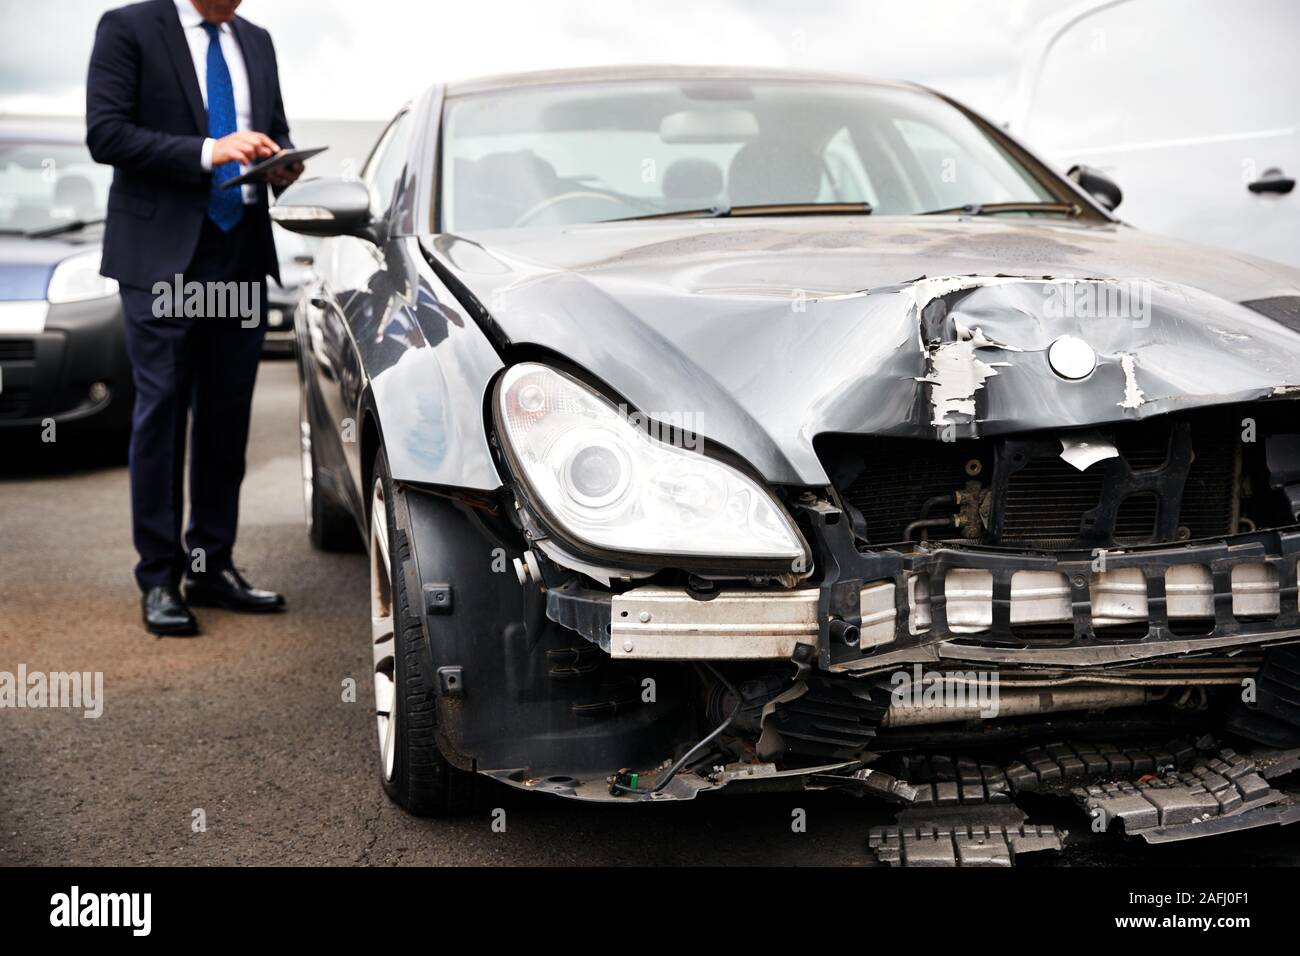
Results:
[239, 748]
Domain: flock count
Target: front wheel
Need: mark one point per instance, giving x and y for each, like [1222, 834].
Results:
[415, 773]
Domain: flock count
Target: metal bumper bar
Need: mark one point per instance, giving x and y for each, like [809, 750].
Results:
[1158, 600]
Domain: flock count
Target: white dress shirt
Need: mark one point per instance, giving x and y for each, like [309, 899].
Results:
[197, 38]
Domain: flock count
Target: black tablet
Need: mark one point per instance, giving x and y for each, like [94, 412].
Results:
[286, 158]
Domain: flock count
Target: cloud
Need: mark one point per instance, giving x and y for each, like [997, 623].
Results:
[346, 59]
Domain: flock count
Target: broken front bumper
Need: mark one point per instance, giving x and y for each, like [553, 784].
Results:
[956, 811]
[879, 608]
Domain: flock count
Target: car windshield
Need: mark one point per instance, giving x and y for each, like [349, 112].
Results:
[47, 184]
[560, 155]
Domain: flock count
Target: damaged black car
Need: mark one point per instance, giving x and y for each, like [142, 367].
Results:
[715, 429]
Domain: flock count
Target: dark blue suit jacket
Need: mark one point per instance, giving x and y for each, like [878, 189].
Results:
[145, 118]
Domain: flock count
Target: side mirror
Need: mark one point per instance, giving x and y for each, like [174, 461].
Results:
[330, 206]
[1097, 185]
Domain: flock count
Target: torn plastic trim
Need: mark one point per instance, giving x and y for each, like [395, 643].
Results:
[757, 777]
[1085, 450]
[965, 809]
[1133, 396]
[956, 373]
[972, 326]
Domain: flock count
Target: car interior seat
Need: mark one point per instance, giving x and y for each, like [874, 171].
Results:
[767, 171]
[76, 193]
[692, 183]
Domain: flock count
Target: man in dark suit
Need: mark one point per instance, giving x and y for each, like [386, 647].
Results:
[181, 94]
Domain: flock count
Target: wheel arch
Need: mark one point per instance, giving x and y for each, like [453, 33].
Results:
[371, 441]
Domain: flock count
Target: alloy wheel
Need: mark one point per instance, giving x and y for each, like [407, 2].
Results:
[382, 631]
[304, 446]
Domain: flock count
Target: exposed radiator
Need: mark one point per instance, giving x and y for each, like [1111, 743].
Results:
[1046, 501]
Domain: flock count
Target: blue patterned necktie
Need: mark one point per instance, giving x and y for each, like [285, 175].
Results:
[225, 206]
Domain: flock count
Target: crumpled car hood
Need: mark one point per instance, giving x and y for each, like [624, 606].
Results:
[763, 335]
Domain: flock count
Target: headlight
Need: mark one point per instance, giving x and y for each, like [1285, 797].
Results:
[608, 484]
[77, 278]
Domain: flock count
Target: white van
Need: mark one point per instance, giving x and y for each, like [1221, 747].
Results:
[1190, 106]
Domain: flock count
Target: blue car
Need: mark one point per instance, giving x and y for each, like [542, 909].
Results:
[62, 347]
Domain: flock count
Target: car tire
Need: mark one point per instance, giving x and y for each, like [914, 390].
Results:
[329, 525]
[414, 772]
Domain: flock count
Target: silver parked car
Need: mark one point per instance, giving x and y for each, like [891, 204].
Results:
[62, 347]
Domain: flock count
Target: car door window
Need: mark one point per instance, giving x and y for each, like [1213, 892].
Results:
[387, 163]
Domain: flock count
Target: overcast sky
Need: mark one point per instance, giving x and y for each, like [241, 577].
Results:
[361, 59]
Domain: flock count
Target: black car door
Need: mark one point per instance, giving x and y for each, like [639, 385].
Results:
[359, 287]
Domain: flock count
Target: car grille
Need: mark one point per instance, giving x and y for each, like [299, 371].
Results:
[900, 474]
[15, 401]
[15, 397]
[17, 350]
[1045, 502]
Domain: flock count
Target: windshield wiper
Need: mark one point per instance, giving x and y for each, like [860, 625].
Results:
[993, 208]
[722, 211]
[59, 228]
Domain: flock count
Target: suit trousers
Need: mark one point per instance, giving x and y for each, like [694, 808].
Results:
[194, 373]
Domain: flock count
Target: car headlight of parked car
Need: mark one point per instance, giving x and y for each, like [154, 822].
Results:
[77, 278]
[609, 484]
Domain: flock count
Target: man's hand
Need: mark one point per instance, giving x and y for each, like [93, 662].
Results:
[243, 146]
[284, 175]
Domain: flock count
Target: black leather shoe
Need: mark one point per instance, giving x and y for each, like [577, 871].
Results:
[228, 589]
[166, 615]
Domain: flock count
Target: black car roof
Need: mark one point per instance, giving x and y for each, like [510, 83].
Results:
[612, 74]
